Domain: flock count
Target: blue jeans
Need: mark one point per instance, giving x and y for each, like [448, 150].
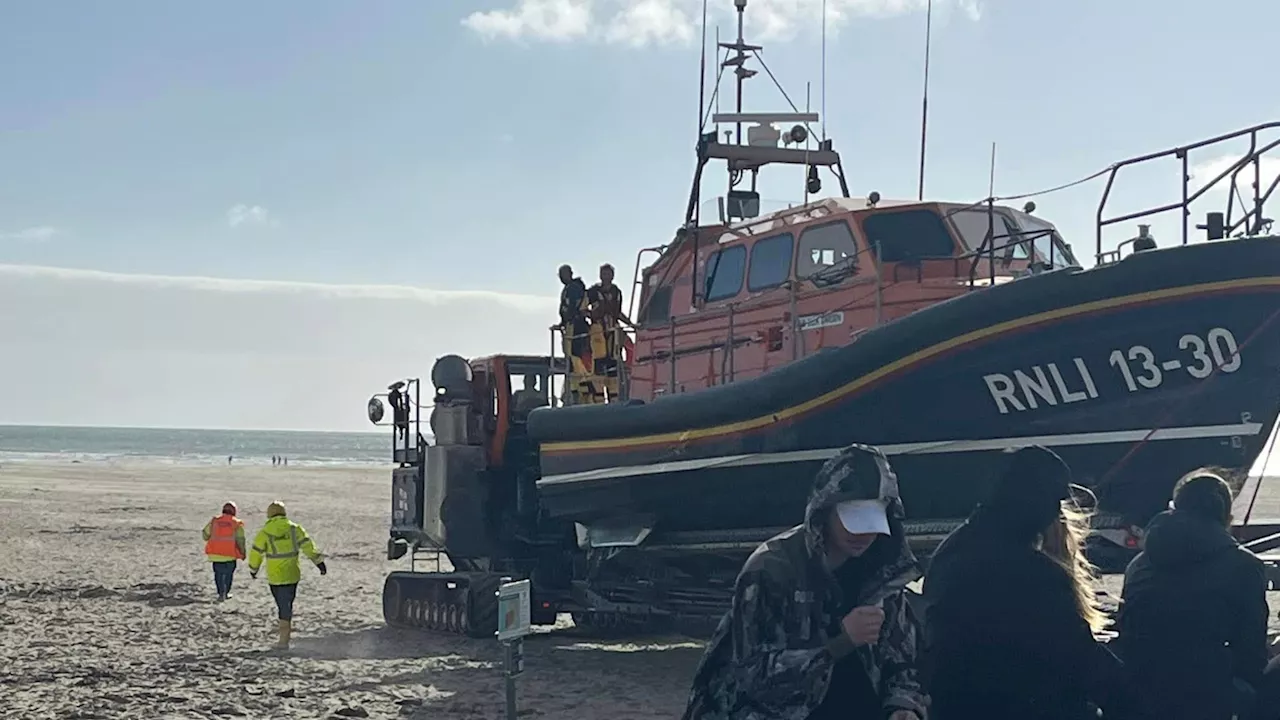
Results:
[284, 596]
[223, 572]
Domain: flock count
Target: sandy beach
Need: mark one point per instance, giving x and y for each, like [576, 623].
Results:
[107, 611]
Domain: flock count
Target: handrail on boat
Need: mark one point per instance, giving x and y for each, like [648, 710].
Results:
[1253, 156]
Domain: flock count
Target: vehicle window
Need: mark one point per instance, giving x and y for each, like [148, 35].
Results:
[724, 273]
[1044, 237]
[822, 246]
[973, 226]
[908, 235]
[658, 311]
[770, 262]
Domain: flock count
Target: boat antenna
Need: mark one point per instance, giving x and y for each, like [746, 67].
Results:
[716, 95]
[702, 73]
[808, 87]
[741, 6]
[823, 81]
[924, 103]
[991, 182]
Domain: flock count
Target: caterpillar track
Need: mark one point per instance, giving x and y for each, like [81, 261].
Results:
[463, 603]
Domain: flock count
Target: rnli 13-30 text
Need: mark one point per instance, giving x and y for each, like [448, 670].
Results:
[1140, 368]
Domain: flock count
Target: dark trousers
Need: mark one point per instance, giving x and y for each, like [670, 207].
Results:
[223, 572]
[285, 595]
[1268, 706]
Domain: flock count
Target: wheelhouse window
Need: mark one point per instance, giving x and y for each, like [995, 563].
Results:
[724, 273]
[1048, 243]
[770, 262]
[908, 235]
[973, 225]
[657, 309]
[825, 246]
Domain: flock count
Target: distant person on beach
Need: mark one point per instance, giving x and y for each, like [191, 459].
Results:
[1011, 610]
[820, 625]
[281, 541]
[224, 545]
[1193, 623]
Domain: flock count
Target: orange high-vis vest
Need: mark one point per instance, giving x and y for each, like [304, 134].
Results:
[222, 537]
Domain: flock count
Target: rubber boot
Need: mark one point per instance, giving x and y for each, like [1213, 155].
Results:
[285, 628]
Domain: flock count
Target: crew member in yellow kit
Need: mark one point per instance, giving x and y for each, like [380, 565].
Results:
[280, 542]
[605, 308]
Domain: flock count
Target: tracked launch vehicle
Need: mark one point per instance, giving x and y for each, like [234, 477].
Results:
[941, 332]
[466, 499]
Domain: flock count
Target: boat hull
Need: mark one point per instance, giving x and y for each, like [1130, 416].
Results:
[1134, 372]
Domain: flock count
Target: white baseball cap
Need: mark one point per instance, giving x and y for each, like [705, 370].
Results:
[864, 516]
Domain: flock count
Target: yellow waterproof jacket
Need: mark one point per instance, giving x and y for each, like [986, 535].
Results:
[281, 541]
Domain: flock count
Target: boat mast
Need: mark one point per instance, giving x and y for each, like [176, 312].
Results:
[740, 60]
[924, 100]
[761, 144]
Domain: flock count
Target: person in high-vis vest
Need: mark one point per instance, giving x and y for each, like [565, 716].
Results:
[607, 316]
[223, 546]
[575, 334]
[281, 541]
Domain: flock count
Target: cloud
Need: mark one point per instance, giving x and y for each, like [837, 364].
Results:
[97, 348]
[241, 215]
[639, 23]
[650, 21]
[36, 234]
[554, 20]
[1203, 173]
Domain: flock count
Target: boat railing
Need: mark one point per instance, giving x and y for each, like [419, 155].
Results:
[1250, 222]
[990, 251]
[1024, 239]
[405, 399]
[815, 209]
[621, 338]
[661, 355]
[655, 362]
[638, 278]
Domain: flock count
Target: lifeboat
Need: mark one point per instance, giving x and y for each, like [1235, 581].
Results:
[944, 333]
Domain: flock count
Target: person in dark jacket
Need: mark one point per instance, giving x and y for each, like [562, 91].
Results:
[1010, 607]
[820, 626]
[1193, 621]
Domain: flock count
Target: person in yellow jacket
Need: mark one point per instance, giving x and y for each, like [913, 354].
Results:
[223, 546]
[281, 541]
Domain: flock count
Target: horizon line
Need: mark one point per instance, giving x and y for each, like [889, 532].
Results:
[61, 426]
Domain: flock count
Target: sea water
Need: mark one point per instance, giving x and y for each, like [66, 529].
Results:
[19, 443]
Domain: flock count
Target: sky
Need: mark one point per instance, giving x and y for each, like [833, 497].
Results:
[255, 215]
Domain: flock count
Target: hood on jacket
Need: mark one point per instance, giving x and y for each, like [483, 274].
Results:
[858, 472]
[1031, 484]
[1176, 538]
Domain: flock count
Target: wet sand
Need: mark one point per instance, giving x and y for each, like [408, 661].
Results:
[107, 611]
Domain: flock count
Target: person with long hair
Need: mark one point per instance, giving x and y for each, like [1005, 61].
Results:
[1012, 613]
[1193, 623]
